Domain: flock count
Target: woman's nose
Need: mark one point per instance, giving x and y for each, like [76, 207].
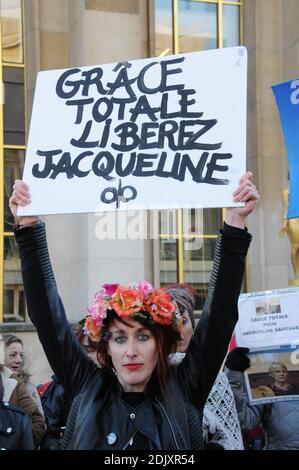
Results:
[131, 349]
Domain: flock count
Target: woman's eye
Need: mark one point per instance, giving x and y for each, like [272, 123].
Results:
[120, 339]
[185, 321]
[143, 337]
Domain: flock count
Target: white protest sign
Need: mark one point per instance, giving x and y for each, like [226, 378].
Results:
[152, 134]
[269, 318]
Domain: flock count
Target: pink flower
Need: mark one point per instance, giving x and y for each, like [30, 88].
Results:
[99, 317]
[145, 287]
[110, 288]
[99, 296]
[100, 305]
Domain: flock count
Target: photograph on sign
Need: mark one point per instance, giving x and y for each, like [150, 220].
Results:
[269, 318]
[146, 134]
[268, 306]
[273, 375]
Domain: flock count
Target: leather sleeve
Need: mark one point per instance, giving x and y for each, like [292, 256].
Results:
[26, 441]
[22, 398]
[15, 429]
[250, 416]
[209, 344]
[69, 362]
[56, 414]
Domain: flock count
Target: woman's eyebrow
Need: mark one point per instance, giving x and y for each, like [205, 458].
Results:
[139, 330]
[118, 331]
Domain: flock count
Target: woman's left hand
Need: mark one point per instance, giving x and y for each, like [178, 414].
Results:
[247, 193]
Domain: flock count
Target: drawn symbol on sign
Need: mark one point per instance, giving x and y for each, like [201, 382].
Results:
[122, 64]
[118, 195]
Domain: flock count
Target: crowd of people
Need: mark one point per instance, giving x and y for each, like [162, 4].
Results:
[139, 372]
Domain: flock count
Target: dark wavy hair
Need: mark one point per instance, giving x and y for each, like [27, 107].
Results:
[79, 335]
[166, 337]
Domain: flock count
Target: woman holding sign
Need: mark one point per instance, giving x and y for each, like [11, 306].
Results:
[136, 400]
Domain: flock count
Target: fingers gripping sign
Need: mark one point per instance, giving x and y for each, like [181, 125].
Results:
[246, 193]
[21, 197]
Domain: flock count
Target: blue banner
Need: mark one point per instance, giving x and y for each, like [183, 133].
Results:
[287, 99]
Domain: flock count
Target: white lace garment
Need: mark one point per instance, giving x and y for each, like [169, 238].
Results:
[220, 416]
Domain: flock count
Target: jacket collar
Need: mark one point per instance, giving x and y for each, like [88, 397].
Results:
[9, 384]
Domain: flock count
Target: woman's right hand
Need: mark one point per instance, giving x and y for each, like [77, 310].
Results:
[21, 197]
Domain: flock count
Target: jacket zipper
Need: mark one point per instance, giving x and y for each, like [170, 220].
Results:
[131, 437]
[127, 438]
[169, 422]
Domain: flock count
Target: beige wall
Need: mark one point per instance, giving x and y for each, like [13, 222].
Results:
[46, 39]
[267, 25]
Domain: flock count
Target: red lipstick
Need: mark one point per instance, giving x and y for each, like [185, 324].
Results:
[133, 366]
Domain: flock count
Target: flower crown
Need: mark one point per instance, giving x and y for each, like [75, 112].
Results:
[139, 301]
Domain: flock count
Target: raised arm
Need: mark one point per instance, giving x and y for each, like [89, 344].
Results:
[209, 344]
[45, 308]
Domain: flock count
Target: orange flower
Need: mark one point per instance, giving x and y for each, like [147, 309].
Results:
[126, 301]
[94, 331]
[160, 306]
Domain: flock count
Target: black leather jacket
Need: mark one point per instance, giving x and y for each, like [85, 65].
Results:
[15, 428]
[101, 410]
[56, 405]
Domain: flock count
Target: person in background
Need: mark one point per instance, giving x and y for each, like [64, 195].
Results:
[15, 360]
[15, 426]
[280, 383]
[57, 403]
[89, 346]
[279, 420]
[221, 427]
[184, 297]
[16, 395]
